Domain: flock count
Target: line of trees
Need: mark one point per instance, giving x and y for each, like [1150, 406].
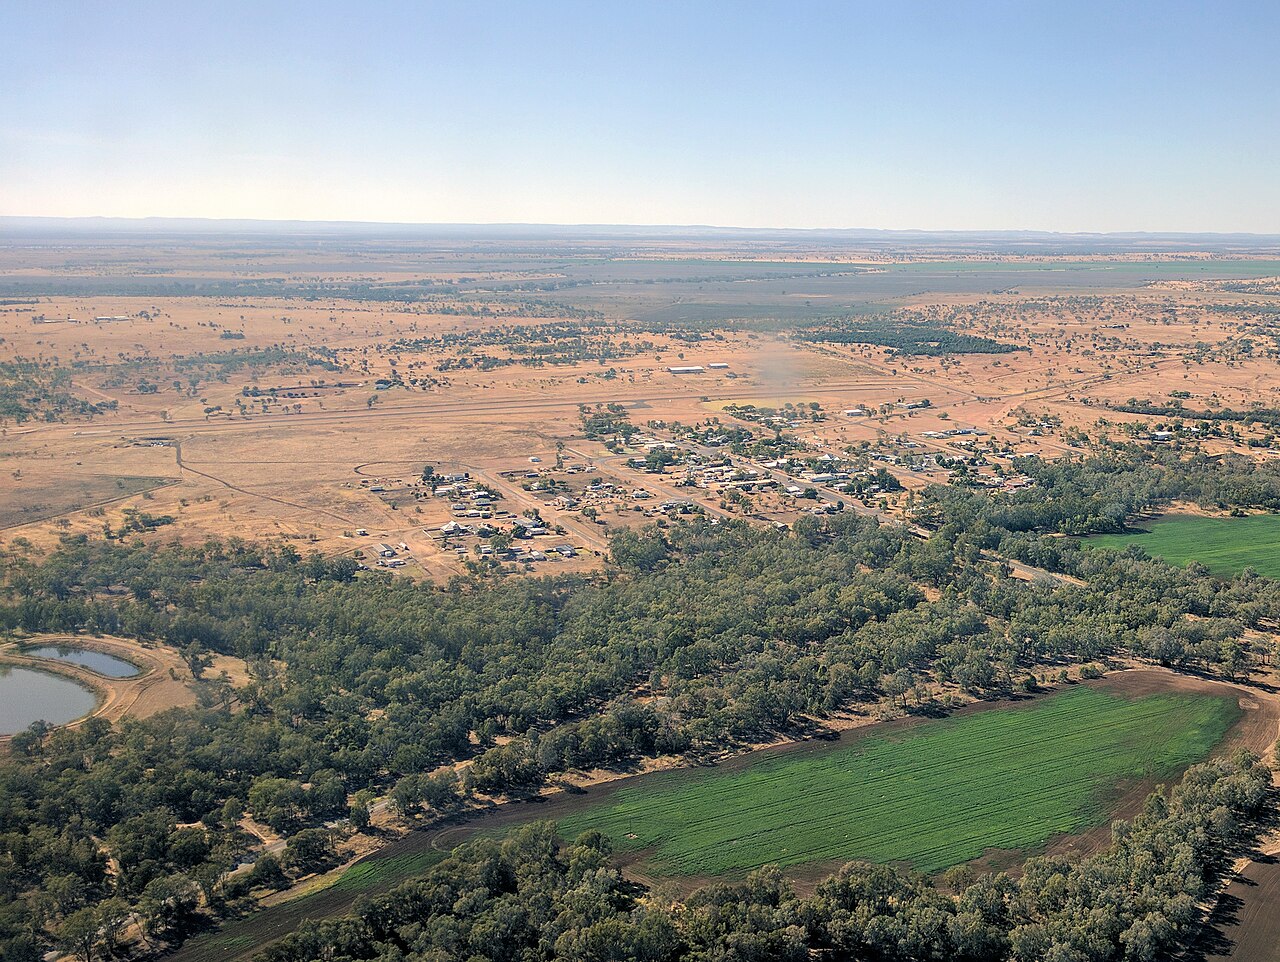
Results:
[699, 637]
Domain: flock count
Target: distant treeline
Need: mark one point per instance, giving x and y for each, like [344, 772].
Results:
[1102, 493]
[557, 342]
[229, 361]
[903, 336]
[408, 292]
[1174, 409]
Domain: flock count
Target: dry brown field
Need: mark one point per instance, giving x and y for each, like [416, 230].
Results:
[261, 417]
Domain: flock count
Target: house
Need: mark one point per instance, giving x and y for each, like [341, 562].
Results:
[528, 527]
[384, 550]
[565, 550]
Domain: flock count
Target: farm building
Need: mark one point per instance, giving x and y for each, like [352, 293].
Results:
[694, 369]
[719, 366]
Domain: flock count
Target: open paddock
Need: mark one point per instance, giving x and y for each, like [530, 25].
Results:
[1240, 717]
[1226, 546]
[930, 795]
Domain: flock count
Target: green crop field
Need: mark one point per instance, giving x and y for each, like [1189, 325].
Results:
[934, 795]
[378, 873]
[1225, 546]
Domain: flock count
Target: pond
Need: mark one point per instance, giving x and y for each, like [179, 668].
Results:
[96, 661]
[27, 695]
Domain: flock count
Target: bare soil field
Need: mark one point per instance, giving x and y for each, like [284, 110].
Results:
[1245, 927]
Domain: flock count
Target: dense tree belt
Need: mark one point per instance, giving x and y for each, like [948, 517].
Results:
[697, 638]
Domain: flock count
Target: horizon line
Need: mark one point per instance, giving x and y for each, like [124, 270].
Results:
[161, 220]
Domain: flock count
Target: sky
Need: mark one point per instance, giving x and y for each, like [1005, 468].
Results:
[1066, 116]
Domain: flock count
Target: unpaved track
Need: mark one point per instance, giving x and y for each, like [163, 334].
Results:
[1245, 927]
[312, 509]
[485, 409]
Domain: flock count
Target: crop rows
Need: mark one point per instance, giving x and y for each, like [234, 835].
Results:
[935, 795]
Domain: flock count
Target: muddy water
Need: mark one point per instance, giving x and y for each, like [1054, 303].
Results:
[96, 661]
[28, 695]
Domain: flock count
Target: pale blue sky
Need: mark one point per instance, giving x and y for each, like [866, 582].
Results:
[1048, 115]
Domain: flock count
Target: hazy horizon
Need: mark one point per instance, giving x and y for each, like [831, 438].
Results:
[144, 224]
[1153, 118]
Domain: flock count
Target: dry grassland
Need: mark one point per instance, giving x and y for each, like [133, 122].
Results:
[262, 418]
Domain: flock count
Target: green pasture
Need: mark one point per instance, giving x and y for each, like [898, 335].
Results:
[933, 795]
[1225, 546]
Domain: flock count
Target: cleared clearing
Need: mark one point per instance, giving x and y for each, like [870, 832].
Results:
[1226, 546]
[51, 497]
[933, 796]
